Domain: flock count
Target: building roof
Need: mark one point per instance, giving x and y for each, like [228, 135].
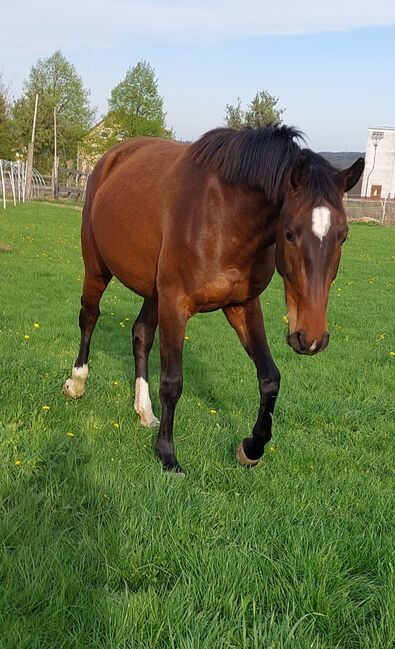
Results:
[381, 128]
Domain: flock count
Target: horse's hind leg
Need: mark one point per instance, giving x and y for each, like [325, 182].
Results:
[95, 284]
[143, 333]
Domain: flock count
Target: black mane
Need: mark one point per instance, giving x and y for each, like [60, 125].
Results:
[256, 158]
[321, 183]
[259, 158]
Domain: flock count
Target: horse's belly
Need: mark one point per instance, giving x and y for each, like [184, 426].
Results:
[129, 244]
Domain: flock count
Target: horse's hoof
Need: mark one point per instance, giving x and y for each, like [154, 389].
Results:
[243, 459]
[176, 472]
[170, 465]
[70, 389]
[151, 422]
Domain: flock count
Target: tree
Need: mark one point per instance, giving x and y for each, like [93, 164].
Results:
[235, 116]
[261, 111]
[135, 104]
[6, 136]
[58, 85]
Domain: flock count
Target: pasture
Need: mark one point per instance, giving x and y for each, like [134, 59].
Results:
[100, 548]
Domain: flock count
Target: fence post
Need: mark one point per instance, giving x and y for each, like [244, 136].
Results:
[69, 165]
[55, 178]
[2, 184]
[383, 205]
[11, 175]
[29, 171]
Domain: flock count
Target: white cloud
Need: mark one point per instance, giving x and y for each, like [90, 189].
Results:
[100, 24]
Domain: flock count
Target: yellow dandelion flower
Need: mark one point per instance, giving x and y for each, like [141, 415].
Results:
[272, 449]
[116, 425]
[126, 319]
[285, 319]
[18, 462]
[186, 337]
[381, 336]
[45, 408]
[115, 382]
[121, 324]
[212, 411]
[36, 325]
[26, 337]
[70, 434]
[392, 353]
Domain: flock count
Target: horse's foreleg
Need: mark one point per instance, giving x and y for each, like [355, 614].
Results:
[94, 287]
[143, 333]
[248, 323]
[172, 323]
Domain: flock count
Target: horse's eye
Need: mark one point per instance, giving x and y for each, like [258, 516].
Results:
[289, 236]
[343, 240]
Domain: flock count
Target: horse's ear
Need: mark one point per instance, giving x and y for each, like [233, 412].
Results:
[350, 176]
[300, 172]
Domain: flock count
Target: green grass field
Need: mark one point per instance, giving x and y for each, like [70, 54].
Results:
[100, 549]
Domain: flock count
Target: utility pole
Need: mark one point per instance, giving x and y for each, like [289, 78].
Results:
[55, 173]
[30, 150]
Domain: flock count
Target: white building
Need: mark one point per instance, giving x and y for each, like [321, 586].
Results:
[379, 175]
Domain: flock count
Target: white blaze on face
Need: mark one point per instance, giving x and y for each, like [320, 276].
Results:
[321, 221]
[142, 403]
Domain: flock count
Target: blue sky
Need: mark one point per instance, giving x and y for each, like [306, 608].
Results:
[331, 64]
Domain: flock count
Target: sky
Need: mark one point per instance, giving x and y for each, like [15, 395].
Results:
[331, 64]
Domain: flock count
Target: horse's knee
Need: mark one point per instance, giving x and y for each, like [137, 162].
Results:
[170, 388]
[88, 315]
[269, 385]
[142, 337]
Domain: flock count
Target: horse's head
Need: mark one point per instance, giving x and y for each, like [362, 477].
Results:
[312, 228]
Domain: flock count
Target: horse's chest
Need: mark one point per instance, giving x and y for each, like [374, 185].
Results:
[234, 285]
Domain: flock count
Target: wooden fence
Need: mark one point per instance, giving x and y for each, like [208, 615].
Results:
[69, 182]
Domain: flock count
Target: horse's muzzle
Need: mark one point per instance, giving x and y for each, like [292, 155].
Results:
[298, 342]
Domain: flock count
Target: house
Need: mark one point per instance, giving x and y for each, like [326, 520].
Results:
[112, 129]
[379, 176]
[92, 146]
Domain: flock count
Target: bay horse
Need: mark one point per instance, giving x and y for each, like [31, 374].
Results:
[198, 227]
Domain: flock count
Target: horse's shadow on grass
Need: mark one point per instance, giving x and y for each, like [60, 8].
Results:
[54, 523]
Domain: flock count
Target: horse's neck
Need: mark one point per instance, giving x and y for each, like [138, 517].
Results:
[255, 218]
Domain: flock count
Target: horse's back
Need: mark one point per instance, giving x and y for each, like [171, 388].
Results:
[125, 207]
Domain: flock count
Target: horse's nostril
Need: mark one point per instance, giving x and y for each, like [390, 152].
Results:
[324, 341]
[302, 340]
[297, 341]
